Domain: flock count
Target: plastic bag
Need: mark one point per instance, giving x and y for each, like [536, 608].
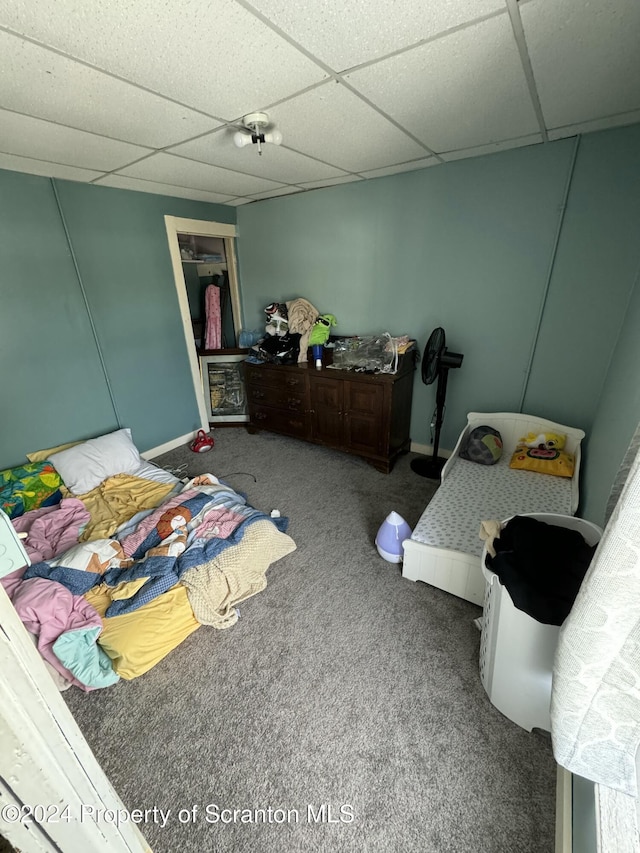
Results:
[367, 354]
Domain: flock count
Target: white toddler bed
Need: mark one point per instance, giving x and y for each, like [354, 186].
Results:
[445, 548]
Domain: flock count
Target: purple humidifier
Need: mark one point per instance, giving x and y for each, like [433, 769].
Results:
[392, 533]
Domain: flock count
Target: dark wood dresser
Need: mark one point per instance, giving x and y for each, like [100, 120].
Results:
[366, 414]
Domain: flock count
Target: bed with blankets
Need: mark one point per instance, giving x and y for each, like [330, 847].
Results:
[532, 465]
[125, 560]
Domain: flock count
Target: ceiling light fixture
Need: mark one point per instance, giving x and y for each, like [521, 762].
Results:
[255, 124]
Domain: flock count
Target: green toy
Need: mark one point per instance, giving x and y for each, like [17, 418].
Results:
[320, 335]
[322, 329]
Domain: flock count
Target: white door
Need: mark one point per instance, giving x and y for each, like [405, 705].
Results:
[54, 795]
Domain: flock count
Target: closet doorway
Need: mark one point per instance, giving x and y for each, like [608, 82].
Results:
[203, 256]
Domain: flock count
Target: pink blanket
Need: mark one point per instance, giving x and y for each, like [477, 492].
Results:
[52, 529]
[48, 610]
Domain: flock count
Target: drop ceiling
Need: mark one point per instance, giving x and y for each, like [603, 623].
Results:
[147, 95]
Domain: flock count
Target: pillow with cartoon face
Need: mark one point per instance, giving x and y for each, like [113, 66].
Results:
[543, 460]
[546, 440]
[483, 445]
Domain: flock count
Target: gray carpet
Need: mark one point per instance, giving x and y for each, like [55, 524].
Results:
[342, 685]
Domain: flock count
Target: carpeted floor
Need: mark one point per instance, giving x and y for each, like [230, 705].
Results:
[344, 710]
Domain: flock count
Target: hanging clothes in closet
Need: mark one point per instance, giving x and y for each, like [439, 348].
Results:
[213, 317]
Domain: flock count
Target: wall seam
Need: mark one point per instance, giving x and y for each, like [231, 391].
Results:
[552, 263]
[94, 331]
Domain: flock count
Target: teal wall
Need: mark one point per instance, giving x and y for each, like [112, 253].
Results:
[527, 258]
[593, 276]
[464, 245]
[617, 416]
[57, 383]
[47, 349]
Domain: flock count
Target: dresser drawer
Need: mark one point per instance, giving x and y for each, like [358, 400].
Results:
[280, 398]
[295, 424]
[293, 378]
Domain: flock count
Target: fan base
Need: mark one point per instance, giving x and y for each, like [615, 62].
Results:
[430, 468]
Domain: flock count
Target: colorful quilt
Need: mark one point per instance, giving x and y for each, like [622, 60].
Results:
[187, 531]
[115, 605]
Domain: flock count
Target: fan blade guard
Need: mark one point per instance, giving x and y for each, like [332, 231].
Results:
[432, 354]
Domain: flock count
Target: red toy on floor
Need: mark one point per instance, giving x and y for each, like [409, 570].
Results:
[201, 442]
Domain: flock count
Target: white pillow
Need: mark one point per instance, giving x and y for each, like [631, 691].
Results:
[86, 465]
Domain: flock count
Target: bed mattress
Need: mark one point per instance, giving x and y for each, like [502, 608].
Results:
[476, 493]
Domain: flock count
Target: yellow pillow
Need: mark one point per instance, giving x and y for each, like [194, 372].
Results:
[41, 455]
[543, 461]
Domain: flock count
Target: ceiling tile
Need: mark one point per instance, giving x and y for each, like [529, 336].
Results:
[463, 90]
[585, 57]
[168, 169]
[401, 167]
[48, 170]
[343, 35]
[43, 140]
[39, 82]
[481, 150]
[236, 202]
[334, 125]
[275, 163]
[213, 55]
[124, 183]
[146, 90]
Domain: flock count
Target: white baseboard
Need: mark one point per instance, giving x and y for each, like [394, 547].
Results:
[427, 450]
[169, 445]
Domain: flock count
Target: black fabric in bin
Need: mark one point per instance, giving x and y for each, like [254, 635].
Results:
[542, 566]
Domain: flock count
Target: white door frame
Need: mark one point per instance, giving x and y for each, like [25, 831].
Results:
[200, 228]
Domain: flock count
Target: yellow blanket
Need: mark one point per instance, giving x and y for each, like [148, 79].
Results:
[117, 499]
[137, 641]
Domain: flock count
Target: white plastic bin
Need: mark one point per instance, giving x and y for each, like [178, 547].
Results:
[516, 651]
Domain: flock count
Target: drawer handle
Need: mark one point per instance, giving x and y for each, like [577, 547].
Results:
[295, 423]
[293, 381]
[293, 402]
[260, 416]
[257, 395]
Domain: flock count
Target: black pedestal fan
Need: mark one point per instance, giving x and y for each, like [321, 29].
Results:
[436, 363]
